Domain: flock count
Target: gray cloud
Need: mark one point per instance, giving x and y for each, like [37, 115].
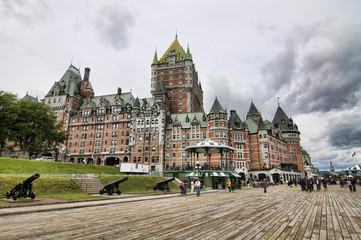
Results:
[346, 129]
[113, 25]
[26, 11]
[231, 94]
[319, 68]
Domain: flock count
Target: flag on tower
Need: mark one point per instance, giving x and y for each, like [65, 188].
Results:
[353, 154]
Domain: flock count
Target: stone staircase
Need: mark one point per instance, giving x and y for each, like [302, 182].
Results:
[90, 185]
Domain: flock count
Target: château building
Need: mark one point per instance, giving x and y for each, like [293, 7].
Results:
[118, 128]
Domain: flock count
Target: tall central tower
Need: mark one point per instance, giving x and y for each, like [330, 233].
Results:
[176, 71]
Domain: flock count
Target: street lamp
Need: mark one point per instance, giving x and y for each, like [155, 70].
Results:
[198, 165]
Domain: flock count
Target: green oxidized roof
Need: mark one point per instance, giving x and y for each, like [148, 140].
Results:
[217, 107]
[69, 83]
[155, 58]
[177, 50]
[186, 119]
[261, 125]
[252, 126]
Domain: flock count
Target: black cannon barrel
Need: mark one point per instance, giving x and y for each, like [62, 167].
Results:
[31, 179]
[167, 180]
[117, 182]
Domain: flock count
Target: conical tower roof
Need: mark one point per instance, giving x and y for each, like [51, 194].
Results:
[136, 104]
[160, 89]
[217, 107]
[155, 58]
[253, 111]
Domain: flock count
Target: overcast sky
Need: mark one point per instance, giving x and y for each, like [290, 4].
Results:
[306, 53]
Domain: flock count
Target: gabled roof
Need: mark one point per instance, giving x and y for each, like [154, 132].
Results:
[253, 111]
[27, 97]
[282, 122]
[176, 49]
[235, 121]
[217, 107]
[68, 84]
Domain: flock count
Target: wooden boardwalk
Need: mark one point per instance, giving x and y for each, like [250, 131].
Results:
[286, 213]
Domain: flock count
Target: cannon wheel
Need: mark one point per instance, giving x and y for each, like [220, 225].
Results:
[15, 196]
[101, 192]
[8, 195]
[110, 191]
[168, 189]
[33, 195]
[119, 192]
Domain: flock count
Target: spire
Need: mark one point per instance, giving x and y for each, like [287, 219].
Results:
[155, 58]
[217, 107]
[253, 111]
[189, 55]
[136, 104]
[160, 89]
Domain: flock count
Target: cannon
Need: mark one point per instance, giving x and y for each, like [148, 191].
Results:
[113, 187]
[23, 189]
[163, 185]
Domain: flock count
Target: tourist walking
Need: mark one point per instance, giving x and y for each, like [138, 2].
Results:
[264, 185]
[229, 185]
[185, 186]
[181, 186]
[318, 184]
[310, 183]
[302, 183]
[192, 186]
[248, 182]
[324, 182]
[198, 187]
[353, 184]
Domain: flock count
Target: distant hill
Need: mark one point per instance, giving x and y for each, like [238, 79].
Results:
[324, 172]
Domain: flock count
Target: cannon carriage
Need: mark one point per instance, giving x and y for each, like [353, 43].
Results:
[113, 187]
[163, 185]
[23, 189]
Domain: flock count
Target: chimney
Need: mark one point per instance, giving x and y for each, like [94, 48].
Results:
[119, 91]
[86, 74]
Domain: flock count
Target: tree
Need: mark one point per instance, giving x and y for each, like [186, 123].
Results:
[35, 129]
[7, 116]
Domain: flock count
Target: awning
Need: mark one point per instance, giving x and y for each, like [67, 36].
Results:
[219, 174]
[235, 175]
[194, 174]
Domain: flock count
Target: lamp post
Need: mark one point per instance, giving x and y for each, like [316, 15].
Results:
[198, 165]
